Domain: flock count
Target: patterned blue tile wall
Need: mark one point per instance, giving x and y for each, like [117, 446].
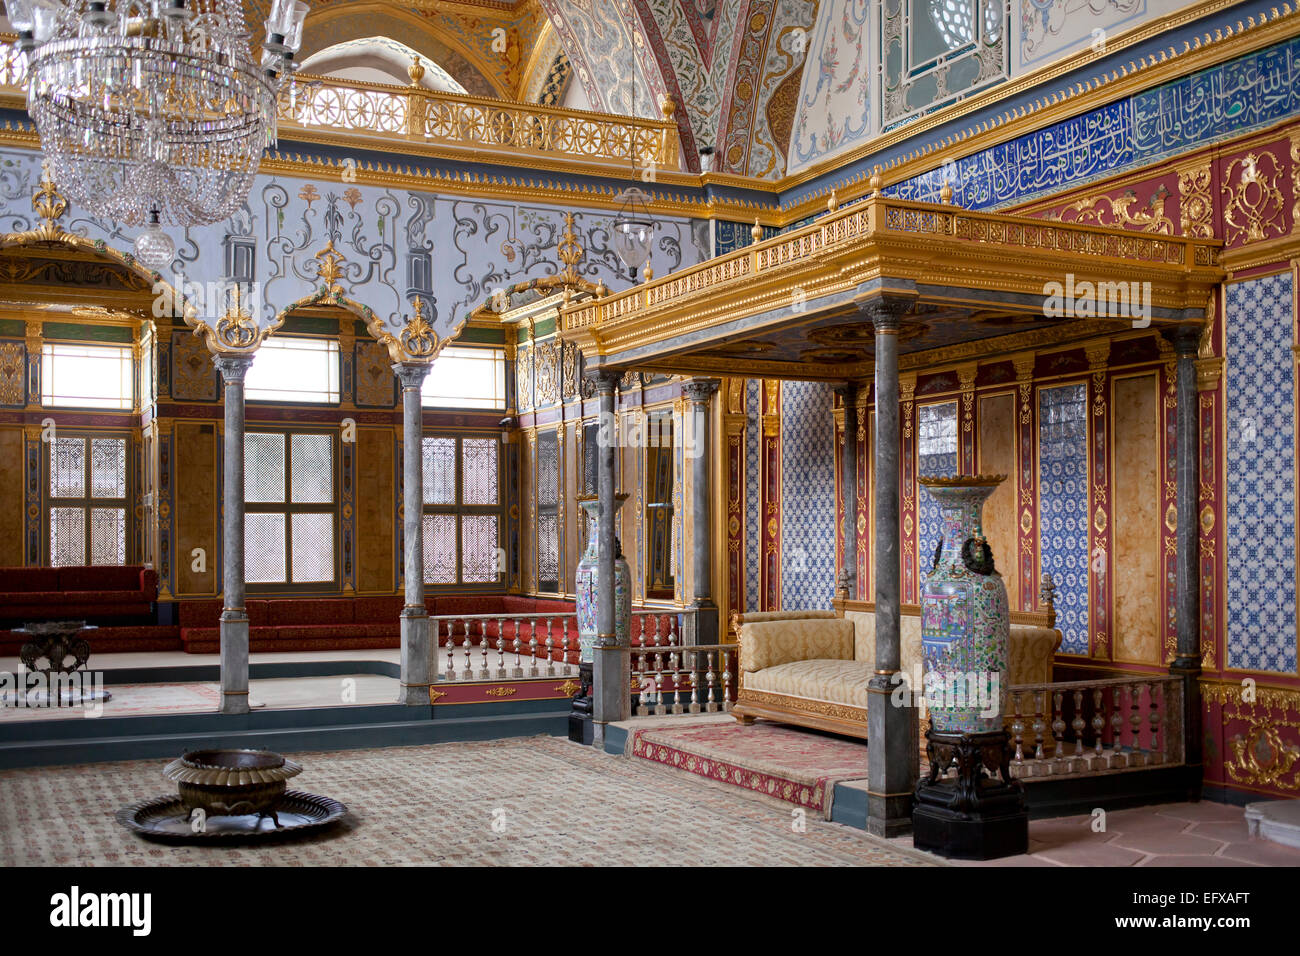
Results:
[936, 454]
[807, 496]
[753, 490]
[1261, 528]
[1063, 506]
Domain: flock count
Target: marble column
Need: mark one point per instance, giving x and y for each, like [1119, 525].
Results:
[848, 580]
[893, 755]
[418, 652]
[234, 618]
[611, 664]
[1185, 339]
[698, 445]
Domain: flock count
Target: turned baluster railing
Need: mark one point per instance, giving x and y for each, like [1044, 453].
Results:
[673, 679]
[1134, 722]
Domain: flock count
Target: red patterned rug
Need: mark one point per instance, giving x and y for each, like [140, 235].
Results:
[792, 766]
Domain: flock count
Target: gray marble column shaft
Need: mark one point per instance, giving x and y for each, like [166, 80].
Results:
[419, 669]
[699, 448]
[1187, 575]
[611, 662]
[849, 483]
[234, 617]
[893, 758]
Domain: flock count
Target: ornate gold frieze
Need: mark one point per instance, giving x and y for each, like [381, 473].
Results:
[1252, 198]
[1105, 211]
[1196, 200]
[12, 374]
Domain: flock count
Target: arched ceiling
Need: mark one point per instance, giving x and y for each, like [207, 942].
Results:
[733, 67]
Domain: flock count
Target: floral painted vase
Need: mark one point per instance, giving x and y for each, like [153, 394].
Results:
[965, 623]
[584, 584]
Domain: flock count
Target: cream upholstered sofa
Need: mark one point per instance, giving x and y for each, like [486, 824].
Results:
[811, 667]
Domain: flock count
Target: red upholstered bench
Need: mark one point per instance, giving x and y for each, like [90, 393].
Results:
[98, 595]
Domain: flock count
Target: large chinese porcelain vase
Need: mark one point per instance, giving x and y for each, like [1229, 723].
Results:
[965, 624]
[585, 581]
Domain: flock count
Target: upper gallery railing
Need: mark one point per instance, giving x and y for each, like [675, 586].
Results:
[763, 273]
[459, 122]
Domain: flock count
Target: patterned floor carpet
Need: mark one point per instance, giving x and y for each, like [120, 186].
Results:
[791, 766]
[523, 801]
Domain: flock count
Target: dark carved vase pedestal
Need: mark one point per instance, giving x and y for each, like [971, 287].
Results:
[977, 814]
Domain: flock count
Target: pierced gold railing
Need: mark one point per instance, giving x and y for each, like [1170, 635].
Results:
[450, 121]
[678, 303]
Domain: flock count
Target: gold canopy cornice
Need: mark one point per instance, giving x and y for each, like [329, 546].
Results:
[981, 262]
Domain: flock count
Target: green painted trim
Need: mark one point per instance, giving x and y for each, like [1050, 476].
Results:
[14, 327]
[471, 336]
[87, 333]
[311, 325]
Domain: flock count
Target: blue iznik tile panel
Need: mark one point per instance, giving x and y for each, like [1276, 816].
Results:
[1063, 506]
[1193, 111]
[936, 455]
[753, 491]
[807, 496]
[1261, 463]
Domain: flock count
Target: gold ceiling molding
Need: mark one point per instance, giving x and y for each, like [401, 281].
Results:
[890, 239]
[1204, 51]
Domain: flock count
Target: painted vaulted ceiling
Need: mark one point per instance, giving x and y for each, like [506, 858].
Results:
[734, 67]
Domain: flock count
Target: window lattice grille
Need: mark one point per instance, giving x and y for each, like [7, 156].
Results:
[312, 469]
[108, 468]
[264, 548]
[479, 543]
[68, 468]
[479, 476]
[264, 468]
[548, 549]
[440, 549]
[439, 471]
[548, 470]
[313, 547]
[67, 537]
[108, 536]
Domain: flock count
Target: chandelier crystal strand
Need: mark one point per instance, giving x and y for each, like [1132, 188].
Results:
[154, 107]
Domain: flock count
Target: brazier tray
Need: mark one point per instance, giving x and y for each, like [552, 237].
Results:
[166, 820]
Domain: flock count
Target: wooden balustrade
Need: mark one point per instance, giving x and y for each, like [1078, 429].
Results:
[684, 678]
[1094, 726]
[540, 646]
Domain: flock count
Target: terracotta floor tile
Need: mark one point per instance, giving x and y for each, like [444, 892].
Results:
[1229, 831]
[1145, 819]
[1206, 811]
[1092, 853]
[1165, 841]
[1264, 852]
[1192, 861]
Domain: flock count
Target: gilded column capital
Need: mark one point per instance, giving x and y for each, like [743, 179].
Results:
[411, 374]
[907, 386]
[1185, 337]
[233, 368]
[1208, 373]
[605, 380]
[1098, 353]
[699, 390]
[966, 375]
[1024, 365]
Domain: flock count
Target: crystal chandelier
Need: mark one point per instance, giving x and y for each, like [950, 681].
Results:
[154, 111]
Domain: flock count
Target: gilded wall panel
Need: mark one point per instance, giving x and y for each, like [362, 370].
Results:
[1136, 543]
[374, 375]
[13, 360]
[997, 456]
[194, 377]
